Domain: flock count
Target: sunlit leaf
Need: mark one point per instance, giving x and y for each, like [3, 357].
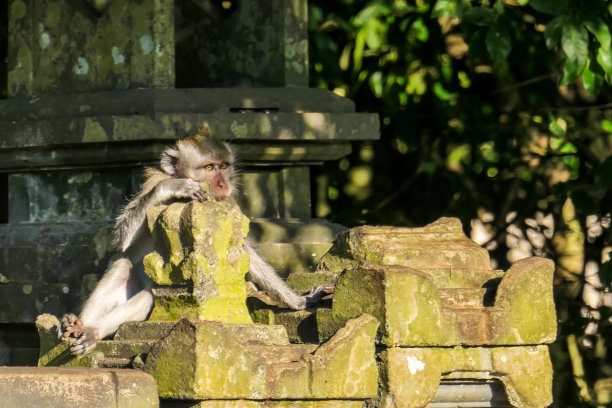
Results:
[446, 67]
[598, 28]
[449, 8]
[571, 71]
[345, 57]
[416, 83]
[458, 155]
[557, 126]
[442, 93]
[498, 42]
[373, 35]
[604, 59]
[464, 79]
[592, 82]
[360, 40]
[419, 30]
[575, 41]
[606, 125]
[376, 83]
[369, 13]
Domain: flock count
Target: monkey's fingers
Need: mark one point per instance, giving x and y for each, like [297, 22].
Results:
[84, 344]
[199, 195]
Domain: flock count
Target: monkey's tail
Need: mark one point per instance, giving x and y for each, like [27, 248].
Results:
[266, 277]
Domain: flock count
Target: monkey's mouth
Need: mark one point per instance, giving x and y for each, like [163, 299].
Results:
[221, 198]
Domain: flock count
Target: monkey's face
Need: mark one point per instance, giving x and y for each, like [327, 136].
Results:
[217, 175]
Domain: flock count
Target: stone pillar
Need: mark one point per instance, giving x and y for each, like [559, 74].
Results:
[97, 89]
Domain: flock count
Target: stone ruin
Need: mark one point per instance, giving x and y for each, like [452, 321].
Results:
[418, 319]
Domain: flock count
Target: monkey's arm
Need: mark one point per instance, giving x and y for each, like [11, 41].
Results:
[158, 187]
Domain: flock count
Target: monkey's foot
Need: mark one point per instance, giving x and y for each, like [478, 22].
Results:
[314, 296]
[70, 326]
[85, 342]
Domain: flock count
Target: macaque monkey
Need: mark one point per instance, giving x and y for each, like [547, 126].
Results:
[124, 292]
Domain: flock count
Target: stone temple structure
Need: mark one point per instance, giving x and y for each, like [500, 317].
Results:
[95, 90]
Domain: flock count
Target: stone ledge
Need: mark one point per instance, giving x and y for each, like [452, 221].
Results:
[78, 387]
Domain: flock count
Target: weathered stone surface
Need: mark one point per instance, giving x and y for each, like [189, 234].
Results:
[431, 287]
[56, 47]
[526, 295]
[94, 196]
[247, 369]
[198, 245]
[417, 319]
[22, 302]
[255, 44]
[439, 245]
[73, 387]
[48, 332]
[171, 100]
[413, 374]
[278, 404]
[414, 312]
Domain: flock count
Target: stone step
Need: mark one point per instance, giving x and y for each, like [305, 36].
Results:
[114, 362]
[123, 348]
[304, 281]
[144, 330]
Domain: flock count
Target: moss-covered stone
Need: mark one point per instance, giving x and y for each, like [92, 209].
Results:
[420, 300]
[198, 250]
[278, 404]
[525, 294]
[441, 244]
[72, 387]
[210, 360]
[413, 374]
[56, 47]
[381, 291]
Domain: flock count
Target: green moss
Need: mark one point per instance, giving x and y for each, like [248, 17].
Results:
[525, 295]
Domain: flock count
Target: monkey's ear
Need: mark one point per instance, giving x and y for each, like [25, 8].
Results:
[203, 130]
[169, 160]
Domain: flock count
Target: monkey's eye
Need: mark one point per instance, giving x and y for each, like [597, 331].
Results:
[224, 165]
[209, 167]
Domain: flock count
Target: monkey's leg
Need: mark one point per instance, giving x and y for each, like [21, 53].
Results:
[264, 275]
[136, 309]
[110, 291]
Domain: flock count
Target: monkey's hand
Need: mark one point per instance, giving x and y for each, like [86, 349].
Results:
[85, 342]
[70, 326]
[314, 296]
[183, 188]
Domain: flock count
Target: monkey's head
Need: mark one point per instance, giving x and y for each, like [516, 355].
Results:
[202, 157]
